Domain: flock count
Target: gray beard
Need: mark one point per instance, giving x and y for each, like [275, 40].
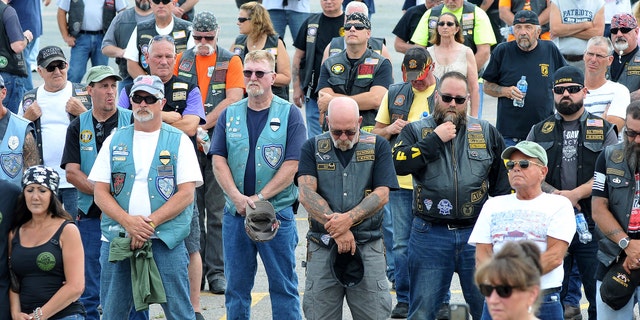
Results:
[631, 150]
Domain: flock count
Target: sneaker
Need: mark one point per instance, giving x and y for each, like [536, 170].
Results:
[400, 311]
[443, 313]
[572, 312]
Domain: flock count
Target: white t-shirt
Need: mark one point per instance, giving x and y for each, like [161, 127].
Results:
[506, 218]
[143, 150]
[611, 95]
[131, 51]
[53, 123]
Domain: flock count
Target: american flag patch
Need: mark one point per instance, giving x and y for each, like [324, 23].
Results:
[595, 123]
[474, 127]
[598, 181]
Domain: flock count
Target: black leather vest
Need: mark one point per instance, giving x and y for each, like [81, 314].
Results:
[147, 30]
[10, 62]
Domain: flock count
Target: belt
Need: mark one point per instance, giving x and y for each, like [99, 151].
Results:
[572, 57]
[91, 32]
[550, 291]
[453, 226]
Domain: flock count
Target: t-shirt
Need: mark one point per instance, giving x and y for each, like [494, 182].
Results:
[572, 11]
[92, 18]
[131, 51]
[482, 29]
[409, 22]
[12, 25]
[611, 97]
[507, 218]
[30, 15]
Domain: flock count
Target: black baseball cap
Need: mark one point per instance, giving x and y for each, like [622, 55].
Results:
[416, 63]
[526, 16]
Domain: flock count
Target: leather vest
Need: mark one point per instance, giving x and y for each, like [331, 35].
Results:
[593, 132]
[306, 71]
[176, 91]
[467, 25]
[11, 149]
[630, 76]
[345, 187]
[89, 150]
[337, 45]
[161, 182]
[121, 36]
[399, 99]
[147, 30]
[10, 62]
[76, 14]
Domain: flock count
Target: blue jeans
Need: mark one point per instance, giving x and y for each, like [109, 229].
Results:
[27, 53]
[281, 18]
[605, 312]
[115, 283]
[90, 234]
[69, 198]
[573, 294]
[400, 205]
[435, 253]
[73, 317]
[387, 235]
[278, 257]
[16, 87]
[88, 46]
[508, 141]
[586, 259]
[550, 308]
[313, 118]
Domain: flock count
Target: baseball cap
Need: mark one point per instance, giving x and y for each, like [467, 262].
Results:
[624, 20]
[1, 82]
[415, 64]
[526, 16]
[50, 54]
[151, 84]
[568, 74]
[347, 269]
[529, 148]
[260, 223]
[205, 21]
[618, 285]
[42, 175]
[99, 73]
[357, 16]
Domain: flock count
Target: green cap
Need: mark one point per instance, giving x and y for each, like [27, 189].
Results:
[529, 148]
[99, 73]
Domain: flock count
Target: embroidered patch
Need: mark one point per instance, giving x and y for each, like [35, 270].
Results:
[117, 181]
[273, 154]
[337, 68]
[165, 186]
[11, 164]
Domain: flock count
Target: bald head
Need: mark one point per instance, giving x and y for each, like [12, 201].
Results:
[344, 109]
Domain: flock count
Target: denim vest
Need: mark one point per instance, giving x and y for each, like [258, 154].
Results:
[161, 186]
[147, 30]
[270, 150]
[89, 151]
[345, 187]
[11, 149]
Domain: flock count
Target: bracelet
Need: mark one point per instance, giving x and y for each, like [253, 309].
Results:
[153, 225]
[260, 197]
[28, 41]
[37, 314]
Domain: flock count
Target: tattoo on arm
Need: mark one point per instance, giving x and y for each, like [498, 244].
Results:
[316, 206]
[547, 188]
[370, 205]
[295, 70]
[492, 89]
[30, 156]
[613, 233]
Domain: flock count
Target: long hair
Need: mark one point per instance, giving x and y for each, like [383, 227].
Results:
[435, 37]
[22, 213]
[260, 20]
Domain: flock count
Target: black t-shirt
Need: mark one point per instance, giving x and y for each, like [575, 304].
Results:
[617, 66]
[409, 22]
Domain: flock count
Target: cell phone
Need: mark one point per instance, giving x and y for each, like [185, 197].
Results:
[459, 311]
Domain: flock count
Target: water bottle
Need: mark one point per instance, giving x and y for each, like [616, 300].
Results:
[583, 229]
[425, 114]
[204, 136]
[522, 86]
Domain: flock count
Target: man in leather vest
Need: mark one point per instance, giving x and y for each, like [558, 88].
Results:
[455, 163]
[625, 68]
[13, 68]
[82, 26]
[573, 138]
[218, 73]
[344, 177]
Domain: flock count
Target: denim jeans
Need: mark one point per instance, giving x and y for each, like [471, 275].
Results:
[69, 198]
[313, 118]
[435, 253]
[16, 88]
[400, 204]
[278, 257]
[550, 308]
[586, 258]
[606, 312]
[73, 317]
[281, 18]
[115, 283]
[90, 234]
[387, 237]
[88, 46]
[27, 53]
[573, 293]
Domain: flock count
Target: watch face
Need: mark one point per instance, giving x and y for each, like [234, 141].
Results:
[623, 243]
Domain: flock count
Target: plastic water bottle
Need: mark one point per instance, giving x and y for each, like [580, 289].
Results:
[204, 136]
[425, 114]
[522, 86]
[583, 229]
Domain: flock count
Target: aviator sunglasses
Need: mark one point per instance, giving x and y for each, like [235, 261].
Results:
[522, 163]
[502, 291]
[208, 38]
[338, 133]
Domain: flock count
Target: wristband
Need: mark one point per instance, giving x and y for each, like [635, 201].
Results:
[153, 225]
[260, 197]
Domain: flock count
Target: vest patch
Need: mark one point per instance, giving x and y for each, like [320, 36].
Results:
[179, 95]
[371, 60]
[3, 61]
[426, 131]
[117, 179]
[165, 186]
[185, 65]
[399, 100]
[365, 155]
[365, 71]
[13, 142]
[595, 134]
[273, 155]
[326, 166]
[548, 127]
[337, 68]
[616, 172]
[179, 34]
[11, 164]
[467, 209]
[617, 156]
[445, 207]
[274, 124]
[595, 123]
[86, 136]
[324, 145]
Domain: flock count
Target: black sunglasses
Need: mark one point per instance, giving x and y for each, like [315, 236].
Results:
[503, 291]
[571, 89]
[148, 99]
[624, 30]
[243, 19]
[52, 66]
[259, 74]
[163, 1]
[448, 23]
[208, 38]
[630, 133]
[522, 163]
[447, 98]
[349, 133]
[358, 26]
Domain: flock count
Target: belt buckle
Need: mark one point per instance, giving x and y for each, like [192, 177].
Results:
[451, 227]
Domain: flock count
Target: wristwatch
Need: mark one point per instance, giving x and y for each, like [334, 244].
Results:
[623, 243]
[260, 197]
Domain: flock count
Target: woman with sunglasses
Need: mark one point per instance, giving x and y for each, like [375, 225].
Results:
[450, 54]
[510, 281]
[257, 33]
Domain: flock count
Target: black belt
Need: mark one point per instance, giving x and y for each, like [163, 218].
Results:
[572, 57]
[550, 291]
[454, 226]
[91, 32]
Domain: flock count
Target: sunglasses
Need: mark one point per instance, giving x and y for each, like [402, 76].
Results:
[208, 38]
[358, 26]
[447, 98]
[243, 19]
[52, 66]
[259, 74]
[448, 23]
[349, 133]
[571, 89]
[99, 129]
[503, 291]
[161, 1]
[522, 163]
[631, 134]
[148, 99]
[624, 30]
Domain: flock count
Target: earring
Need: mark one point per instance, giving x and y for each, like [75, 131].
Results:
[529, 309]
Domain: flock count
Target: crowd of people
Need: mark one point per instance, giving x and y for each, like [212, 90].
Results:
[207, 158]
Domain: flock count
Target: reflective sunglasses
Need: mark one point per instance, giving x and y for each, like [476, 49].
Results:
[630, 133]
[52, 66]
[448, 23]
[243, 19]
[148, 99]
[358, 26]
[208, 38]
[259, 74]
[349, 133]
[571, 89]
[503, 291]
[624, 30]
[161, 1]
[447, 98]
[522, 163]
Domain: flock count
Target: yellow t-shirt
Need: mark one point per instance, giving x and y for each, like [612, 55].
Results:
[482, 30]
